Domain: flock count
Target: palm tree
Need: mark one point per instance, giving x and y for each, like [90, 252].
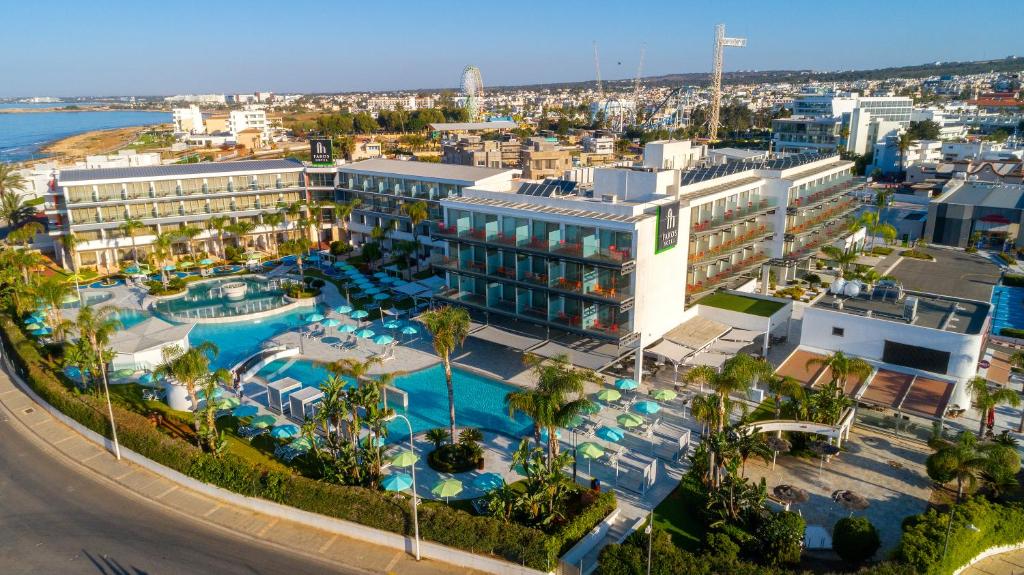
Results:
[15, 210]
[557, 398]
[128, 228]
[779, 386]
[875, 227]
[438, 436]
[53, 291]
[273, 221]
[1017, 360]
[218, 224]
[332, 409]
[294, 212]
[449, 327]
[343, 211]
[188, 234]
[162, 252]
[417, 212]
[26, 261]
[23, 235]
[11, 181]
[751, 444]
[95, 326]
[843, 258]
[904, 144]
[963, 460]
[705, 410]
[79, 356]
[70, 243]
[841, 367]
[987, 398]
[209, 385]
[239, 230]
[190, 368]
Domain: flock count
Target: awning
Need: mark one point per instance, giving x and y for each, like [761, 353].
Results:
[586, 353]
[670, 351]
[796, 367]
[715, 360]
[887, 388]
[728, 347]
[744, 335]
[508, 338]
[928, 397]
[414, 289]
[697, 333]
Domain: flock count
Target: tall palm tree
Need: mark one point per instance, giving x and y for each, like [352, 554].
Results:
[239, 230]
[986, 398]
[294, 212]
[333, 411]
[841, 367]
[844, 258]
[190, 368]
[188, 234]
[95, 326]
[70, 243]
[875, 227]
[705, 410]
[209, 386]
[26, 261]
[749, 445]
[780, 386]
[904, 144]
[24, 234]
[11, 182]
[218, 224]
[964, 460]
[417, 212]
[273, 221]
[53, 291]
[15, 210]
[129, 227]
[343, 211]
[449, 328]
[79, 356]
[557, 398]
[162, 252]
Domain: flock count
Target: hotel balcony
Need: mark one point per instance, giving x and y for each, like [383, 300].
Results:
[177, 194]
[822, 237]
[732, 245]
[612, 294]
[726, 278]
[609, 255]
[839, 210]
[730, 217]
[818, 196]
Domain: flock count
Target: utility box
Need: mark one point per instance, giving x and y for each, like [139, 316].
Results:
[304, 403]
[278, 392]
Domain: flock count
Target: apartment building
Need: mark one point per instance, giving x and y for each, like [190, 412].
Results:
[542, 158]
[471, 150]
[93, 203]
[826, 122]
[249, 119]
[188, 120]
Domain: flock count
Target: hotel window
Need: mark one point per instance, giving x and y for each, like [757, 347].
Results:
[266, 181]
[838, 331]
[217, 185]
[165, 188]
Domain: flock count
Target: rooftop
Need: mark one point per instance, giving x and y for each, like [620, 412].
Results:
[782, 163]
[933, 311]
[429, 170]
[470, 126]
[67, 177]
[989, 195]
[517, 201]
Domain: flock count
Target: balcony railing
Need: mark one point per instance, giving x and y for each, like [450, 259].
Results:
[613, 294]
[733, 245]
[725, 276]
[732, 216]
[826, 194]
[833, 212]
[610, 254]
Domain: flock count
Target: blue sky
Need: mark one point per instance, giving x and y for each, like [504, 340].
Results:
[99, 47]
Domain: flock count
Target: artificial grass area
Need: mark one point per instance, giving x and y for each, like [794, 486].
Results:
[748, 305]
[679, 515]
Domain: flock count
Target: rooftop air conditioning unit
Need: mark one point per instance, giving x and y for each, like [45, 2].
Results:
[910, 309]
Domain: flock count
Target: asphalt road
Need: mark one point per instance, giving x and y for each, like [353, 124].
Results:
[56, 519]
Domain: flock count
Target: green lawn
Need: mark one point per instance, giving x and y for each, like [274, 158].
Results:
[749, 305]
[679, 515]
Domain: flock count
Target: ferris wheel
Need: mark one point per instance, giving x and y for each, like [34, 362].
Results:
[473, 90]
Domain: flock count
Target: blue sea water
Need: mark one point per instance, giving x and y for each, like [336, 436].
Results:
[21, 135]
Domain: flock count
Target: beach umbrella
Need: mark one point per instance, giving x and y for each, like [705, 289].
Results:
[822, 449]
[609, 395]
[590, 451]
[217, 393]
[396, 482]
[35, 317]
[146, 378]
[170, 267]
[301, 444]
[628, 420]
[790, 494]
[227, 403]
[851, 500]
[262, 421]
[343, 309]
[365, 333]
[447, 488]
[378, 441]
[132, 270]
[42, 331]
[646, 407]
[186, 264]
[392, 324]
[664, 395]
[626, 384]
[488, 482]
[409, 330]
[124, 373]
[404, 458]
[380, 275]
[777, 444]
[608, 433]
[314, 317]
[34, 326]
[574, 421]
[359, 314]
[381, 296]
[347, 328]
[207, 262]
[372, 290]
[330, 322]
[383, 339]
[592, 407]
[245, 411]
[286, 431]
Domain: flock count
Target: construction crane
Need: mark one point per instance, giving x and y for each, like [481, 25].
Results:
[636, 85]
[721, 42]
[597, 69]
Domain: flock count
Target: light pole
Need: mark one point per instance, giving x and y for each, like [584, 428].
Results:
[649, 531]
[949, 528]
[415, 515]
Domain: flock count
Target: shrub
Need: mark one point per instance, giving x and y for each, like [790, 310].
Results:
[1012, 332]
[855, 539]
[881, 250]
[455, 457]
[916, 254]
[780, 538]
[812, 279]
[339, 248]
[1013, 280]
[1006, 258]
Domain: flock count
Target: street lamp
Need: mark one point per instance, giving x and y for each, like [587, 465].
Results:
[415, 515]
[649, 531]
[949, 527]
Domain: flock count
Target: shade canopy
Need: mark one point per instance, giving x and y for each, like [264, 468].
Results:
[314, 317]
[206, 262]
[347, 328]
[592, 408]
[380, 275]
[790, 494]
[646, 407]
[404, 458]
[396, 482]
[284, 431]
[343, 309]
[609, 395]
[590, 450]
[447, 488]
[359, 314]
[613, 434]
[262, 421]
[227, 403]
[383, 339]
[488, 482]
[381, 296]
[392, 324]
[170, 267]
[626, 383]
[664, 395]
[365, 333]
[245, 411]
[409, 330]
[330, 322]
[628, 420]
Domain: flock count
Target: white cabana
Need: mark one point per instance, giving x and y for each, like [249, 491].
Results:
[671, 351]
[744, 335]
[715, 360]
[141, 345]
[728, 347]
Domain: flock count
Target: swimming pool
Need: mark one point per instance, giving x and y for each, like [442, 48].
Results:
[210, 299]
[238, 340]
[479, 401]
[1007, 308]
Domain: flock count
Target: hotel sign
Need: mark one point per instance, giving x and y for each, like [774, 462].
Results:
[320, 152]
[668, 227]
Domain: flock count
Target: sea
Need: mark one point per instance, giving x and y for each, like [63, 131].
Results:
[22, 135]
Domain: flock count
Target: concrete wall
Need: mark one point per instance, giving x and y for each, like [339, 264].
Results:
[661, 300]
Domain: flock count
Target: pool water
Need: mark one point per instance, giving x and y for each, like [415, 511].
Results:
[90, 299]
[479, 401]
[205, 300]
[238, 340]
[1007, 308]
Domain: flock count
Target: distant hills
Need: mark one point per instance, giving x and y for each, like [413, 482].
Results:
[1009, 64]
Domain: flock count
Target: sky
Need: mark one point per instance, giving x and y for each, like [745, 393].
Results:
[152, 47]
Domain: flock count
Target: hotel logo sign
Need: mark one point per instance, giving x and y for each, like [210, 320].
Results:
[668, 227]
[320, 152]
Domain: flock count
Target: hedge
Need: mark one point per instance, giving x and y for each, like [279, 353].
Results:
[1012, 332]
[924, 535]
[1013, 280]
[1006, 258]
[386, 511]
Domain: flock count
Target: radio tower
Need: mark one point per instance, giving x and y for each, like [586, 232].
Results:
[721, 41]
[597, 71]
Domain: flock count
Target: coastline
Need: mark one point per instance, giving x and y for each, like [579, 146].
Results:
[93, 142]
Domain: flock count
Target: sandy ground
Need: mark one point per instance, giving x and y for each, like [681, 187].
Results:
[96, 142]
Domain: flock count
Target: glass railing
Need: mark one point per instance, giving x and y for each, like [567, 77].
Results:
[731, 216]
[832, 189]
[540, 244]
[722, 277]
[731, 245]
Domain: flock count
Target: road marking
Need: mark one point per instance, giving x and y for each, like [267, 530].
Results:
[893, 266]
[165, 493]
[267, 527]
[394, 561]
[93, 456]
[212, 511]
[325, 546]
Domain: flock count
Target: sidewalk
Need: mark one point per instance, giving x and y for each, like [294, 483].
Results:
[289, 536]
[1011, 563]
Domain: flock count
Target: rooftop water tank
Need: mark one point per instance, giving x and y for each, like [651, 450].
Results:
[852, 288]
[837, 286]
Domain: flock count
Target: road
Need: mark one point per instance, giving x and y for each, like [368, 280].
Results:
[54, 518]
